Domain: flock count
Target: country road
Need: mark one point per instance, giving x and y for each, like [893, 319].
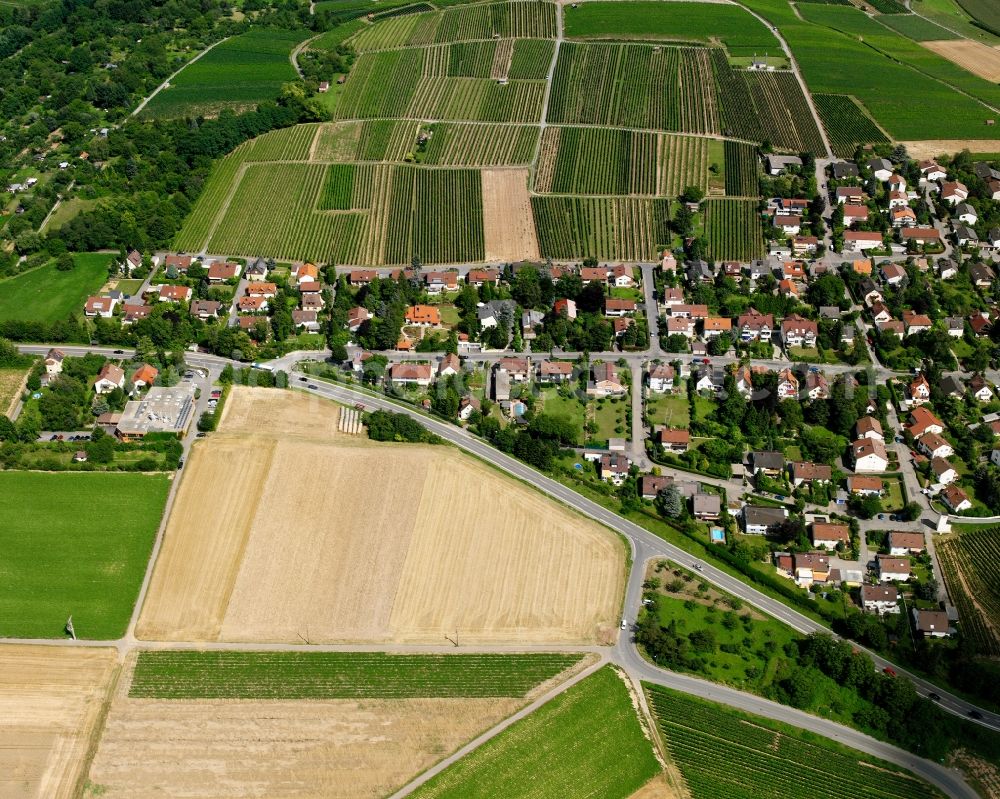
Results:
[173, 75]
[644, 546]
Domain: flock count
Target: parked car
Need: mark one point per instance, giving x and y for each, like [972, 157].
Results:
[933, 696]
[313, 386]
[975, 714]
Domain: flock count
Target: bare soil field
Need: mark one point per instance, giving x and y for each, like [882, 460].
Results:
[976, 57]
[658, 788]
[931, 148]
[340, 749]
[286, 530]
[508, 225]
[50, 702]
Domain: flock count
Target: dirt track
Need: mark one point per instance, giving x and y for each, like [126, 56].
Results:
[508, 225]
[976, 57]
[50, 700]
[286, 530]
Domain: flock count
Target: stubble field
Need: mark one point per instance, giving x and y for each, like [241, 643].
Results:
[50, 702]
[285, 530]
[976, 57]
[508, 226]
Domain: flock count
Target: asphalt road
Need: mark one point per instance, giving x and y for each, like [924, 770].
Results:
[644, 547]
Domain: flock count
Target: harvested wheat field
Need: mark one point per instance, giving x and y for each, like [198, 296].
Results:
[339, 749]
[976, 57]
[50, 702]
[286, 530]
[932, 148]
[508, 225]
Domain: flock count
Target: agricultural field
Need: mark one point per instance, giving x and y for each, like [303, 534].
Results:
[740, 32]
[237, 73]
[614, 228]
[728, 754]
[492, 562]
[486, 21]
[596, 161]
[902, 100]
[508, 226]
[391, 215]
[339, 675]
[733, 230]
[447, 82]
[950, 14]
[587, 736]
[847, 124]
[45, 294]
[455, 144]
[975, 57]
[50, 707]
[917, 28]
[11, 381]
[970, 564]
[765, 105]
[288, 725]
[984, 11]
[742, 169]
[75, 544]
[635, 86]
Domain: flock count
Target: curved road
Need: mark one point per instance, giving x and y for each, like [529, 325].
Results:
[644, 546]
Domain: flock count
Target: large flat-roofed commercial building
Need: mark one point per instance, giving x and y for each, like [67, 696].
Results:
[162, 410]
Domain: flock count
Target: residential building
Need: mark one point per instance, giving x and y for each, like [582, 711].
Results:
[109, 378]
[174, 294]
[100, 306]
[604, 381]
[221, 271]
[797, 331]
[661, 378]
[829, 535]
[613, 467]
[808, 472]
[423, 316]
[956, 499]
[356, 317]
[449, 365]
[770, 463]
[920, 236]
[761, 520]
[863, 485]
[206, 309]
[555, 371]
[932, 623]
[409, 373]
[54, 362]
[788, 385]
[518, 368]
[903, 543]
[869, 455]
[673, 440]
[880, 599]
[706, 507]
[893, 274]
[305, 319]
[862, 240]
[923, 421]
[616, 307]
[715, 326]
[567, 308]
[892, 569]
[869, 427]
[755, 325]
[144, 376]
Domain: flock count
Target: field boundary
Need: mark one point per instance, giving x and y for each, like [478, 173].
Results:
[173, 75]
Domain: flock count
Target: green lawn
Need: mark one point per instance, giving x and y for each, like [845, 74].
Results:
[47, 295]
[129, 287]
[703, 407]
[609, 416]
[586, 742]
[339, 675]
[668, 409]
[570, 408]
[74, 544]
[67, 210]
[893, 498]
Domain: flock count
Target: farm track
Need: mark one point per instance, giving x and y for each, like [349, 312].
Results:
[173, 75]
[293, 56]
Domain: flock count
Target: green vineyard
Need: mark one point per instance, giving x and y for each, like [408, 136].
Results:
[634, 86]
[517, 19]
[733, 230]
[450, 82]
[971, 565]
[725, 754]
[770, 106]
[455, 144]
[619, 228]
[742, 169]
[847, 124]
[338, 675]
[596, 161]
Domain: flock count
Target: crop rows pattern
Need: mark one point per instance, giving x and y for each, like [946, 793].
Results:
[742, 169]
[723, 754]
[974, 558]
[455, 144]
[765, 106]
[622, 228]
[635, 86]
[427, 83]
[517, 19]
[847, 124]
[198, 225]
[607, 161]
[733, 230]
[339, 675]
